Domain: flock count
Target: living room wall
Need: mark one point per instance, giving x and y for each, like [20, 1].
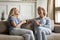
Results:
[46, 4]
[27, 9]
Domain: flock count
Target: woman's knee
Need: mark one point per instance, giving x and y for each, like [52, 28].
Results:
[39, 28]
[43, 32]
[30, 32]
[26, 36]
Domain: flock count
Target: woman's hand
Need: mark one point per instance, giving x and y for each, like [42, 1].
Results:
[19, 25]
[37, 22]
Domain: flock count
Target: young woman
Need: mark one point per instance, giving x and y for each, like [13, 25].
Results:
[42, 25]
[15, 25]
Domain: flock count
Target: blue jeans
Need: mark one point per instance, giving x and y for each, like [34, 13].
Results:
[41, 32]
[28, 34]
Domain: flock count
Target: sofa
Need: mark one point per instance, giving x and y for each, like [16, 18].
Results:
[4, 32]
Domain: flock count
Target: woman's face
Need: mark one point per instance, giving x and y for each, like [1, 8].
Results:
[16, 11]
[40, 13]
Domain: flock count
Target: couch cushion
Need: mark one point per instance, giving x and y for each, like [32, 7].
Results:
[50, 37]
[10, 37]
[54, 36]
[26, 26]
[57, 28]
[3, 27]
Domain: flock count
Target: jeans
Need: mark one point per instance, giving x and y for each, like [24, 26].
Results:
[41, 32]
[28, 34]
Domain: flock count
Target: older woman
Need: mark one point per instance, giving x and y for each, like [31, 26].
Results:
[42, 25]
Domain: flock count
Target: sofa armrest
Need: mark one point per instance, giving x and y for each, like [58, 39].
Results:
[57, 28]
[3, 27]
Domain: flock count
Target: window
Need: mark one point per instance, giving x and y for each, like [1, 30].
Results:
[57, 11]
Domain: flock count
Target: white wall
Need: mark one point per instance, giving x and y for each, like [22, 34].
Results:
[42, 3]
[27, 10]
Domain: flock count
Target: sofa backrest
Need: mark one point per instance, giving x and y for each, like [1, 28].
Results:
[3, 27]
[5, 30]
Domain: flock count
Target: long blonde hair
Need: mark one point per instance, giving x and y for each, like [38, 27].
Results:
[11, 13]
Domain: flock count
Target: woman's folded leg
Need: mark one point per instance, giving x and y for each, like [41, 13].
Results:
[19, 31]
